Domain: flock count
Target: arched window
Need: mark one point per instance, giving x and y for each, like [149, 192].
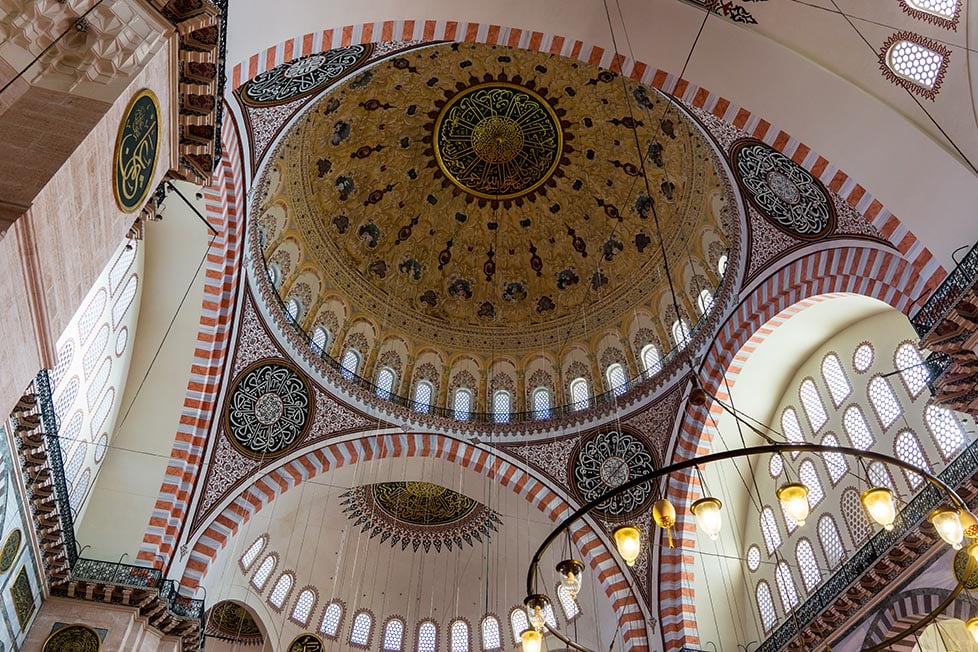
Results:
[260, 578]
[830, 541]
[862, 357]
[362, 629]
[812, 402]
[856, 428]
[810, 573]
[704, 301]
[567, 604]
[463, 403]
[769, 528]
[615, 375]
[427, 639]
[913, 370]
[332, 617]
[765, 606]
[879, 476]
[274, 275]
[835, 378]
[501, 405]
[945, 430]
[907, 449]
[491, 640]
[651, 359]
[350, 363]
[459, 635]
[281, 591]
[916, 63]
[680, 333]
[947, 9]
[722, 265]
[519, 623]
[251, 554]
[385, 382]
[293, 309]
[541, 403]
[579, 393]
[855, 516]
[776, 465]
[549, 616]
[791, 428]
[423, 392]
[835, 463]
[786, 586]
[393, 635]
[320, 340]
[304, 605]
[809, 478]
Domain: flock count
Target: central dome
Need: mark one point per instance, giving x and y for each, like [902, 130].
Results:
[474, 199]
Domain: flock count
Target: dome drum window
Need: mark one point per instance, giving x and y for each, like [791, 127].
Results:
[914, 62]
[943, 13]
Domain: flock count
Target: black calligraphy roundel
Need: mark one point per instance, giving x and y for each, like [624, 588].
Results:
[136, 151]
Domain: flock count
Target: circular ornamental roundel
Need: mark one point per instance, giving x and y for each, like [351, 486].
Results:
[303, 76]
[610, 459]
[73, 638]
[268, 409]
[782, 191]
[136, 151]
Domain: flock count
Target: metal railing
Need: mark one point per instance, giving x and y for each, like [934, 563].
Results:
[863, 559]
[52, 444]
[962, 278]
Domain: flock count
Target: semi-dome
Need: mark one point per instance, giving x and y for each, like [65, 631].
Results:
[482, 212]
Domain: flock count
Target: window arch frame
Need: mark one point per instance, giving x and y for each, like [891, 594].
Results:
[459, 620]
[828, 518]
[346, 371]
[616, 388]
[371, 621]
[805, 576]
[830, 382]
[787, 588]
[681, 333]
[937, 438]
[286, 575]
[908, 476]
[841, 465]
[520, 612]
[247, 566]
[769, 595]
[769, 531]
[293, 310]
[423, 408]
[722, 263]
[865, 344]
[816, 492]
[463, 415]
[307, 589]
[651, 369]
[854, 516]
[400, 637]
[913, 9]
[886, 54]
[320, 349]
[539, 413]
[705, 301]
[579, 403]
[883, 382]
[260, 588]
[386, 393]
[561, 597]
[814, 404]
[486, 619]
[335, 636]
[417, 635]
[498, 415]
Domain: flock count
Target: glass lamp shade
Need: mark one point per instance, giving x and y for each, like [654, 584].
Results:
[707, 513]
[947, 522]
[880, 505]
[628, 540]
[972, 627]
[532, 640]
[794, 499]
[535, 605]
[570, 576]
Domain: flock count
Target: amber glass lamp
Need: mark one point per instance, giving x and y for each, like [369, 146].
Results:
[794, 499]
[628, 540]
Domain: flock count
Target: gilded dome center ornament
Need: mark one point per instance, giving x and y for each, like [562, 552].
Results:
[497, 140]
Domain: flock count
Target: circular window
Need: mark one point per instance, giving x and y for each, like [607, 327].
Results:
[753, 558]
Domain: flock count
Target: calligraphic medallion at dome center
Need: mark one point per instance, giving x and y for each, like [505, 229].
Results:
[268, 409]
[136, 151]
[73, 638]
[497, 140]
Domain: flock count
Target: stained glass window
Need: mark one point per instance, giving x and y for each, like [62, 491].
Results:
[765, 606]
[835, 463]
[913, 371]
[320, 338]
[830, 541]
[463, 404]
[260, 578]
[651, 359]
[427, 637]
[393, 635]
[856, 428]
[579, 393]
[251, 554]
[812, 402]
[332, 617]
[385, 382]
[915, 62]
[541, 403]
[281, 591]
[459, 635]
[786, 586]
[862, 358]
[616, 378]
[945, 429]
[501, 407]
[363, 626]
[704, 301]
[907, 449]
[304, 605]
[491, 640]
[810, 573]
[835, 378]
[769, 527]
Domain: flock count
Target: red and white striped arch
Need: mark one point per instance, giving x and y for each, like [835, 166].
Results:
[224, 200]
[264, 490]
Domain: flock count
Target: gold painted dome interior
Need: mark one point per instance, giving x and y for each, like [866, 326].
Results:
[474, 216]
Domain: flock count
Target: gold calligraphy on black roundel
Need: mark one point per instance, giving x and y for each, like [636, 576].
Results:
[73, 638]
[136, 151]
[306, 643]
[498, 140]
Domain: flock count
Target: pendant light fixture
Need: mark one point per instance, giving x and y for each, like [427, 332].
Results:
[881, 506]
[794, 500]
[535, 605]
[664, 515]
[972, 627]
[628, 540]
[708, 517]
[570, 573]
[947, 522]
[531, 640]
[969, 523]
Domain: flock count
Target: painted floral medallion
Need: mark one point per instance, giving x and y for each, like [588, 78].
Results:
[8, 553]
[268, 409]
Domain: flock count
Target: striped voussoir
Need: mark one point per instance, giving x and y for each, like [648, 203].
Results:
[908, 608]
[224, 201]
[261, 493]
[821, 276]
